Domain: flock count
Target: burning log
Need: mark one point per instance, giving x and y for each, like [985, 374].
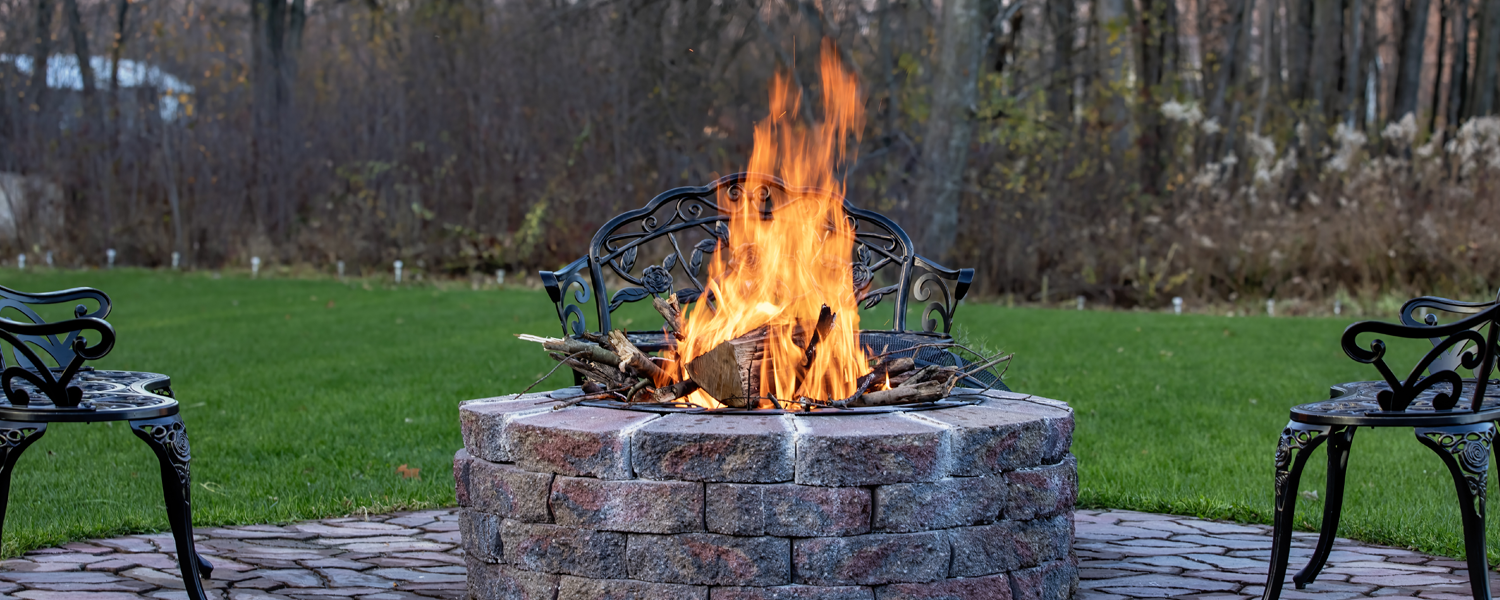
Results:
[675, 391]
[927, 384]
[671, 312]
[908, 394]
[632, 359]
[730, 372]
[824, 326]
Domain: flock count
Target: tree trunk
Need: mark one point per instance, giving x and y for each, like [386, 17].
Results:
[1481, 100]
[41, 53]
[1060, 16]
[1444, 14]
[1299, 36]
[1228, 62]
[945, 141]
[1458, 72]
[91, 109]
[1409, 62]
[1269, 72]
[888, 67]
[1351, 62]
[1328, 46]
[1153, 31]
[122, 8]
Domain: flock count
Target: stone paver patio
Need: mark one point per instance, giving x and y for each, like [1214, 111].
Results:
[415, 555]
[1125, 554]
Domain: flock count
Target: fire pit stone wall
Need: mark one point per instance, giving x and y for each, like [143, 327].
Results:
[971, 502]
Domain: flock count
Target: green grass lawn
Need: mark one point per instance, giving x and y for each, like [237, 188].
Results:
[303, 398]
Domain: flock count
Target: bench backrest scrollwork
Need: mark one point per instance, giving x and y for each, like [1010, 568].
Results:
[1469, 342]
[685, 227]
[62, 341]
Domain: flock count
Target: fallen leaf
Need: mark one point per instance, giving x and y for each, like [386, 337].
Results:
[330, 304]
[408, 472]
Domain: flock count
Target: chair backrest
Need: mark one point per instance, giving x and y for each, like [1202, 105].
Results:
[685, 226]
[24, 342]
[1465, 340]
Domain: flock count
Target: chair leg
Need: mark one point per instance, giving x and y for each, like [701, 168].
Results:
[1466, 451]
[168, 439]
[15, 436]
[1297, 441]
[1333, 505]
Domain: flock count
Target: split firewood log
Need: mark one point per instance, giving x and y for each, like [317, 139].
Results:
[631, 359]
[730, 372]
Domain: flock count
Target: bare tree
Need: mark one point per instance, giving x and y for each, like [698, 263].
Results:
[1062, 18]
[1458, 71]
[945, 139]
[1409, 61]
[1328, 37]
[1481, 100]
[1299, 40]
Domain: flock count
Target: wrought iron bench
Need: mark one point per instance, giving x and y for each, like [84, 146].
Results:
[686, 226]
[1453, 415]
[66, 391]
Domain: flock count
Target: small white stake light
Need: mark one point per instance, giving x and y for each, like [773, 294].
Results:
[1271, 307]
[1080, 303]
[254, 267]
[341, 269]
[176, 260]
[499, 276]
[398, 271]
[1177, 305]
[21, 262]
[49, 258]
[1338, 307]
[109, 256]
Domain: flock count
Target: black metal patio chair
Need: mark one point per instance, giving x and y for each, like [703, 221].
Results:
[1453, 415]
[45, 381]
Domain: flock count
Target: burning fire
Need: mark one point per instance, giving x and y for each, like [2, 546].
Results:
[780, 273]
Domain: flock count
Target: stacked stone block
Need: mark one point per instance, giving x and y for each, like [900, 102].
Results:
[965, 503]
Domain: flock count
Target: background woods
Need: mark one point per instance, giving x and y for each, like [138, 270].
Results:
[1125, 150]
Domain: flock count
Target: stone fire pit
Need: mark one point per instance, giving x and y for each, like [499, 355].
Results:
[970, 502]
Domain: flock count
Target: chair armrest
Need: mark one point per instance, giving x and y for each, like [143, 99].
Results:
[557, 284]
[18, 299]
[69, 354]
[948, 305]
[1451, 350]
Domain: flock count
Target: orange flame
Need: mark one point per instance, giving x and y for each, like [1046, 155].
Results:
[779, 273]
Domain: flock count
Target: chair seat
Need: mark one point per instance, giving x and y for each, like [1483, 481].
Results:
[107, 396]
[1356, 404]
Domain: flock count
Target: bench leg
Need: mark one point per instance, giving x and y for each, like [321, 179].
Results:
[15, 436]
[1466, 451]
[1297, 441]
[1333, 505]
[168, 439]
